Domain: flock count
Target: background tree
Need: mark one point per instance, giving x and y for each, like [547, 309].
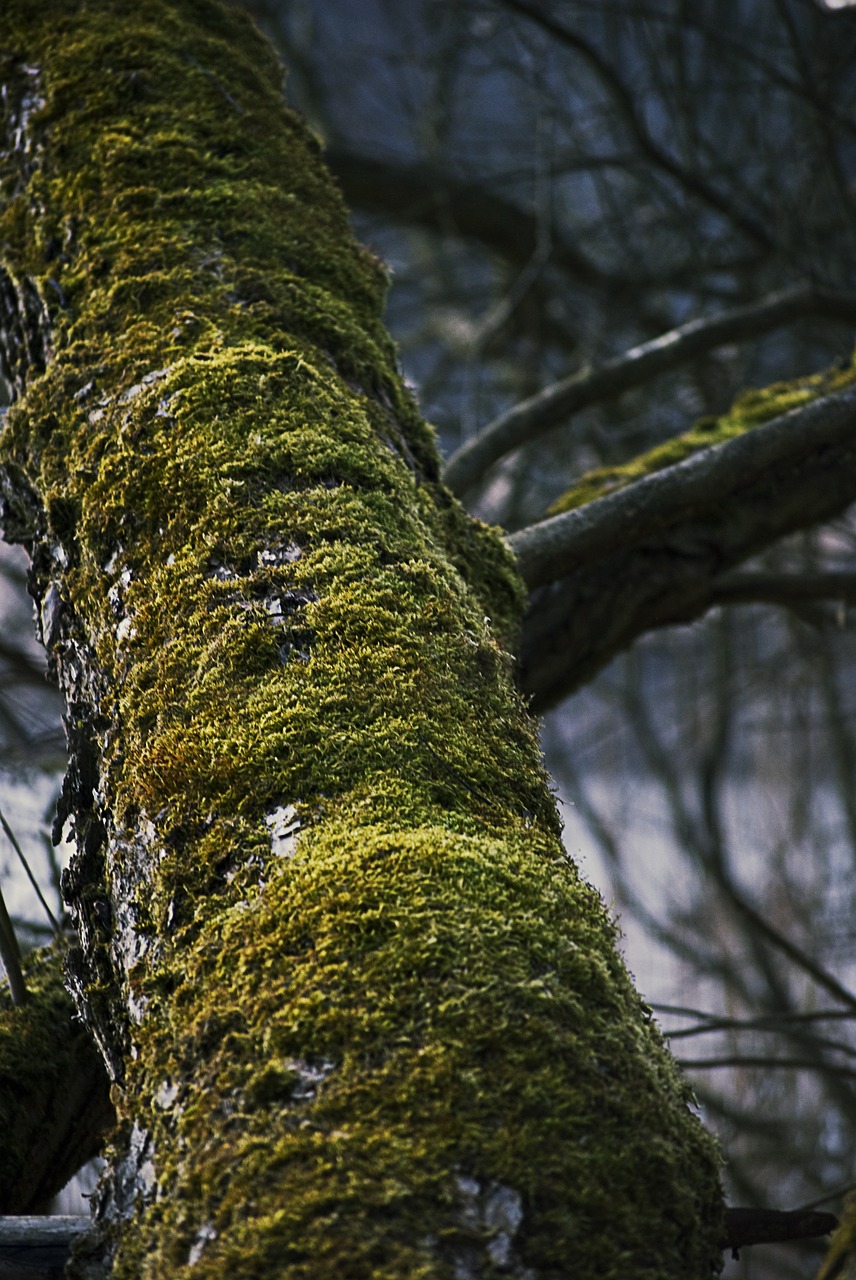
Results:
[628, 216]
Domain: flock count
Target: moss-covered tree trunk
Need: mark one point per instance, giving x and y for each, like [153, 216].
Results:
[362, 1016]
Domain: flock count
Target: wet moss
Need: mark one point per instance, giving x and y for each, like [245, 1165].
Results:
[348, 1052]
[750, 409]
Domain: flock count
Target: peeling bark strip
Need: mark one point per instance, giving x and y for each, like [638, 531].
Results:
[362, 1016]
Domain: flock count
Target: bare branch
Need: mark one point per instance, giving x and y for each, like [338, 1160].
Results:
[794, 953]
[765, 1062]
[769, 1226]
[773, 1022]
[418, 194]
[623, 100]
[784, 588]
[651, 554]
[13, 839]
[533, 417]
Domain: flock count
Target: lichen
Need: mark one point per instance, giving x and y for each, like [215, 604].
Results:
[750, 409]
[265, 603]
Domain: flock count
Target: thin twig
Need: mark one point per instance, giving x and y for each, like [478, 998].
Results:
[764, 1063]
[789, 948]
[55, 925]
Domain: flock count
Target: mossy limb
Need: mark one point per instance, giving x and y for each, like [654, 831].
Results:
[750, 409]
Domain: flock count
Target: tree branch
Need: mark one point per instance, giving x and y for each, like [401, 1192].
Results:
[771, 1226]
[416, 193]
[652, 554]
[623, 101]
[679, 497]
[44, 1242]
[784, 588]
[794, 953]
[535, 416]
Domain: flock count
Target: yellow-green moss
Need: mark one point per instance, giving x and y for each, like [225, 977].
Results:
[462, 1007]
[749, 410]
[348, 1057]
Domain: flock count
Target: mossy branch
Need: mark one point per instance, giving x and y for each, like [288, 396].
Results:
[654, 552]
[531, 418]
[672, 501]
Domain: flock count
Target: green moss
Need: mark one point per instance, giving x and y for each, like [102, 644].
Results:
[349, 1057]
[28, 1036]
[749, 410]
[53, 1089]
[457, 1007]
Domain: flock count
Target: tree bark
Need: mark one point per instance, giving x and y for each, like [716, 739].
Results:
[361, 1015]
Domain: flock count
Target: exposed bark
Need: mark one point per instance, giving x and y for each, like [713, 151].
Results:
[361, 1015]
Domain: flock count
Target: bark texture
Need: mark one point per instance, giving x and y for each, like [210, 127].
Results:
[361, 1014]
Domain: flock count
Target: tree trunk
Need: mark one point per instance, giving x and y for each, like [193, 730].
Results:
[361, 1014]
